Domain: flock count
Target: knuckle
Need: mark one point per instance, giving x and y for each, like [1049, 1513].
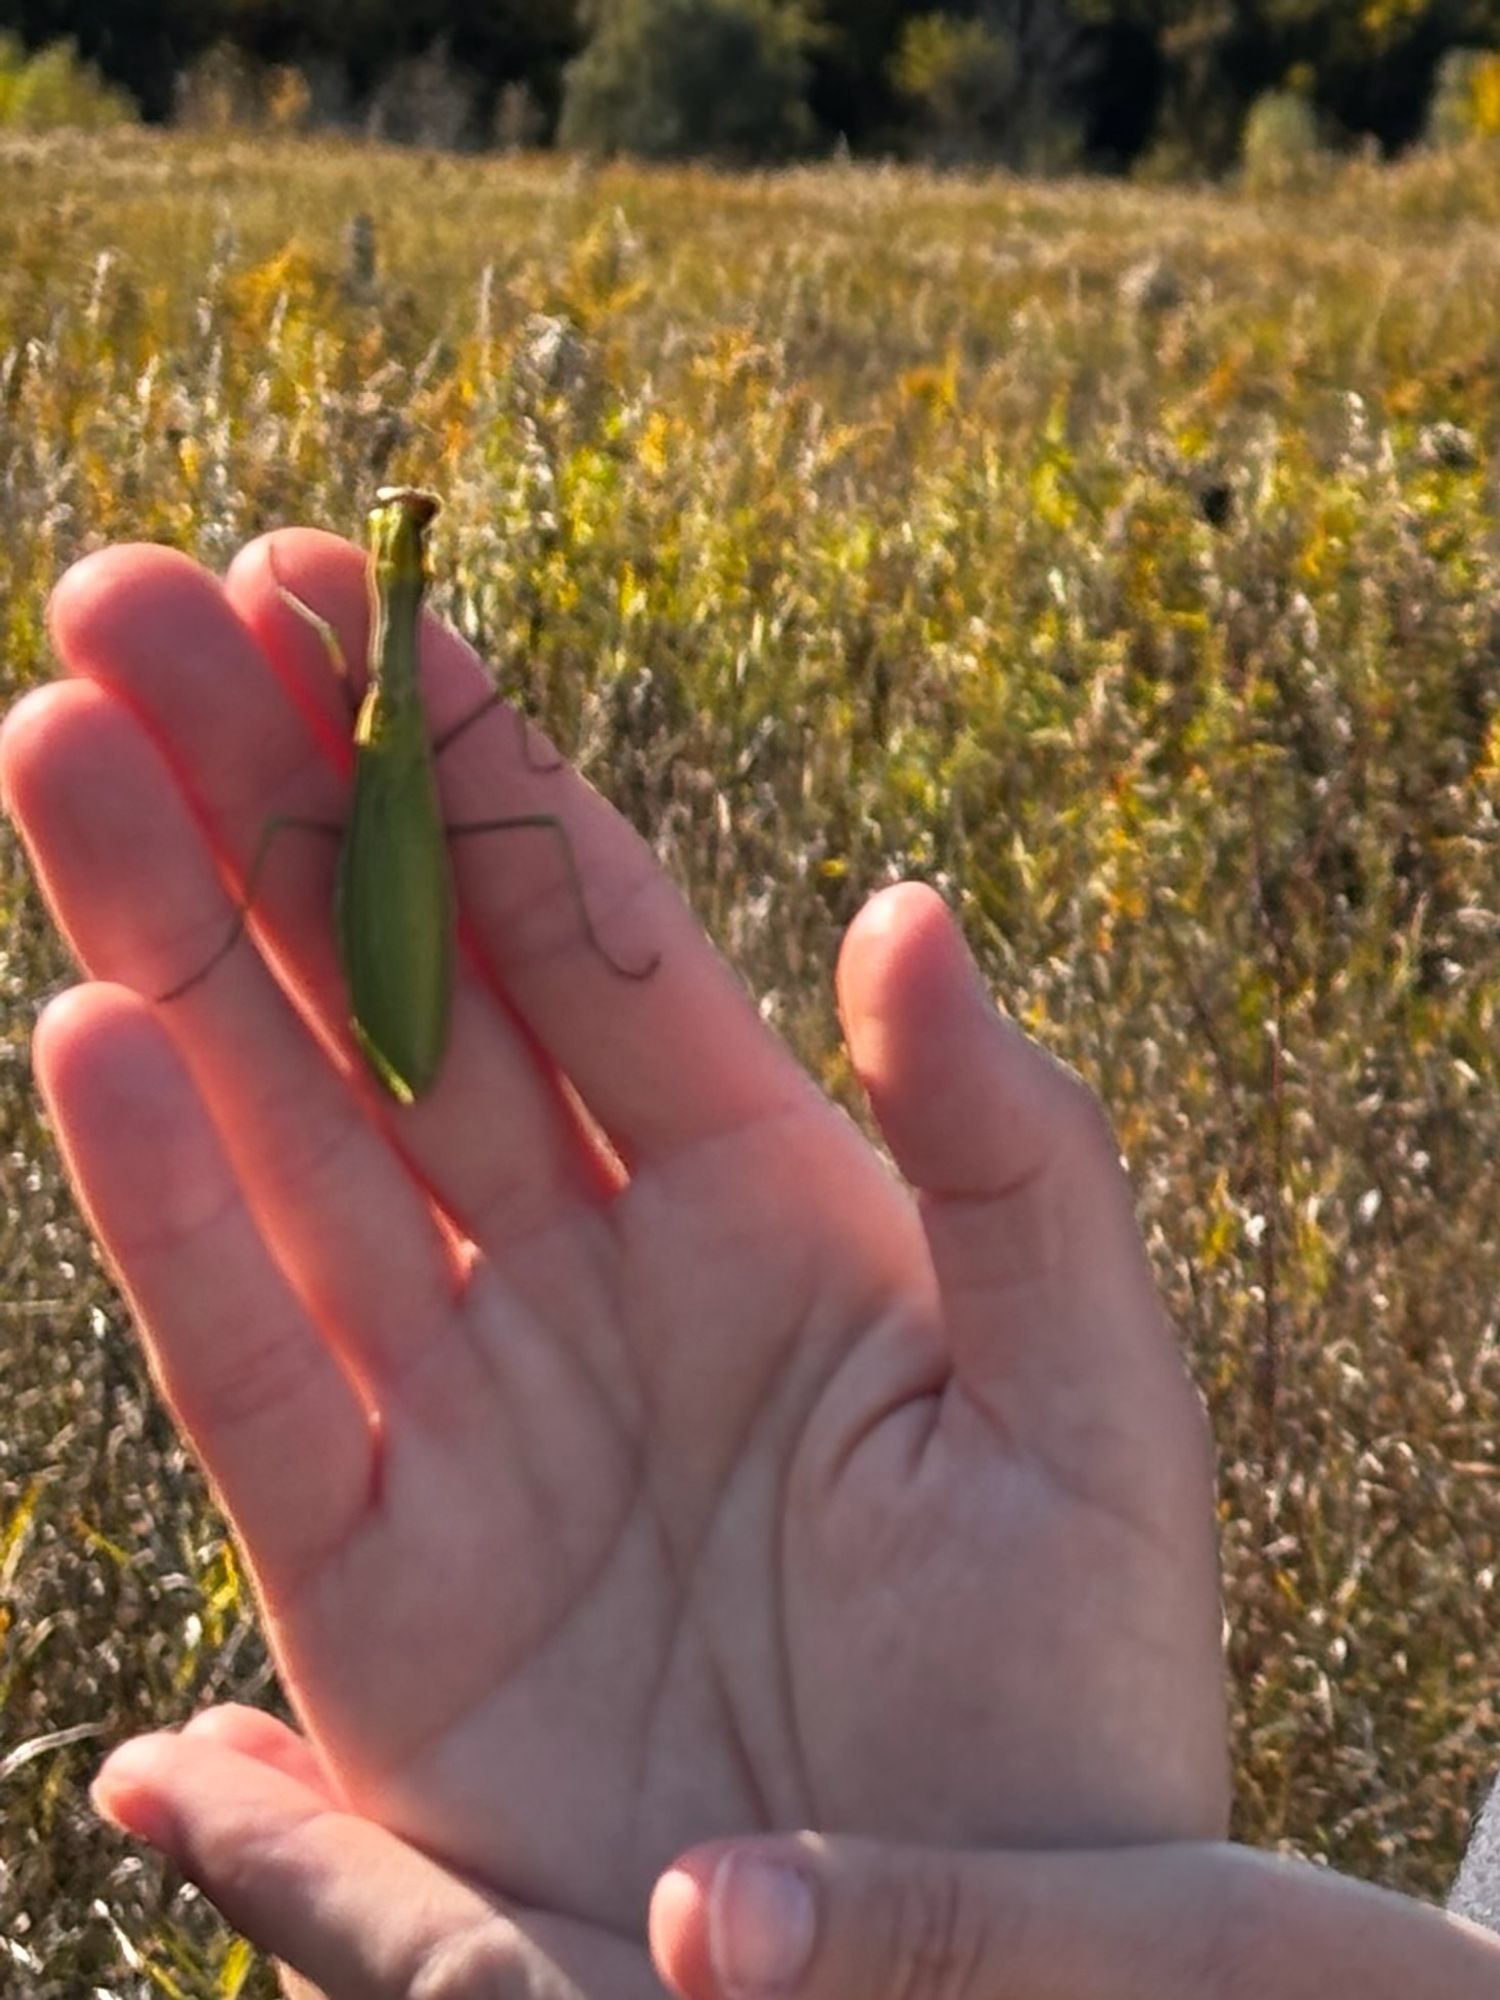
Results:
[1243, 1950]
[1082, 1116]
[939, 1937]
[486, 1960]
[254, 1380]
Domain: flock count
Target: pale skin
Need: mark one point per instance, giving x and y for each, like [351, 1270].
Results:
[250, 1818]
[602, 1498]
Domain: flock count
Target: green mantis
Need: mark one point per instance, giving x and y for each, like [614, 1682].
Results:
[395, 907]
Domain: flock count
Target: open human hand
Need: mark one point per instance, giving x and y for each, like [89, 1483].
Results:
[625, 1457]
[241, 1806]
[371, 1918]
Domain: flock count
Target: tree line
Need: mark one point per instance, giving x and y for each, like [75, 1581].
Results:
[1165, 85]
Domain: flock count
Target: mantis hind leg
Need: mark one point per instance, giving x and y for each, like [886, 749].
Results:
[494, 699]
[279, 824]
[549, 823]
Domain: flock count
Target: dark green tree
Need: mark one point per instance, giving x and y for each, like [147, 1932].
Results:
[138, 43]
[1376, 66]
[959, 77]
[145, 43]
[671, 79]
[850, 90]
[491, 42]
[752, 79]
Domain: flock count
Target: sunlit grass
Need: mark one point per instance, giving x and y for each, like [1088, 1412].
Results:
[1125, 563]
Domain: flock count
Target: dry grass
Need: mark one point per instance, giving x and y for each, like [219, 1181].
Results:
[1124, 563]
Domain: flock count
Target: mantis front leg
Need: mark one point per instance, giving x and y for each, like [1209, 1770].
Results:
[329, 639]
[277, 825]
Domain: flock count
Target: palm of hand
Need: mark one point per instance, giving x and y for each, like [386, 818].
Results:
[744, 1494]
[753, 1557]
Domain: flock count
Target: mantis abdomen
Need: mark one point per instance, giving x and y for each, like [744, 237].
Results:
[396, 907]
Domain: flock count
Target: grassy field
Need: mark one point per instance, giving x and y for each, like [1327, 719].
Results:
[1125, 563]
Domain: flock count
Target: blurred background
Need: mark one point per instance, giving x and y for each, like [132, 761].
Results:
[1168, 89]
[1050, 450]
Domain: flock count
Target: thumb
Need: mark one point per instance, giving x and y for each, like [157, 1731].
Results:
[1018, 1174]
[239, 1804]
[834, 1919]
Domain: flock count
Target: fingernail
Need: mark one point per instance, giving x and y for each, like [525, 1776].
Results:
[762, 1923]
[127, 1792]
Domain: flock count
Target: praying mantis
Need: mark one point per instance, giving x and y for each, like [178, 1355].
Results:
[395, 904]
